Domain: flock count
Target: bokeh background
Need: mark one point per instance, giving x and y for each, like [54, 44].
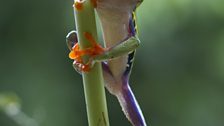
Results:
[178, 76]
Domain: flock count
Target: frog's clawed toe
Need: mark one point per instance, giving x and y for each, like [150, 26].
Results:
[81, 67]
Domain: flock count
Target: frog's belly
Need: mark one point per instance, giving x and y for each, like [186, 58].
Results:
[118, 66]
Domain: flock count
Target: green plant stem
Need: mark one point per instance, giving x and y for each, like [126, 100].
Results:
[93, 81]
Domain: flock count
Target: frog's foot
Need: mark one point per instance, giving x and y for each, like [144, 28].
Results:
[76, 54]
[80, 67]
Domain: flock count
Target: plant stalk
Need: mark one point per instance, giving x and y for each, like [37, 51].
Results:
[93, 80]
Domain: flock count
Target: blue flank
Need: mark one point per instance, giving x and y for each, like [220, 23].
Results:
[132, 107]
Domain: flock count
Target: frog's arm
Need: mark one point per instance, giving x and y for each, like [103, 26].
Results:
[120, 49]
[97, 52]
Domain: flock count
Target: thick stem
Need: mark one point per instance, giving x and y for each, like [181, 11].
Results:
[93, 80]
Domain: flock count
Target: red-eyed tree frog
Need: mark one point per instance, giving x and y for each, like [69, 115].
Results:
[117, 18]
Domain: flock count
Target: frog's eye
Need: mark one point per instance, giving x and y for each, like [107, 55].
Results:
[71, 39]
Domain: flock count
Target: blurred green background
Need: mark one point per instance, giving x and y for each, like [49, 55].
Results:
[178, 76]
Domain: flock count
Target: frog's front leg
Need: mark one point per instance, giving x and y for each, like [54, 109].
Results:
[97, 53]
[122, 48]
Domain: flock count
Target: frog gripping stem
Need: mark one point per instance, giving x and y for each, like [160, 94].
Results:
[120, 39]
